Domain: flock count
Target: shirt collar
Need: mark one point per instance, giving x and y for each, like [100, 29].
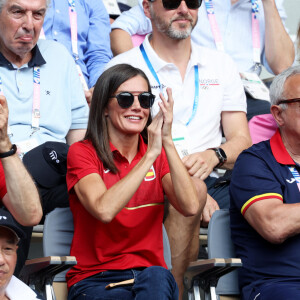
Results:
[141, 150]
[198, 56]
[36, 60]
[279, 151]
[158, 63]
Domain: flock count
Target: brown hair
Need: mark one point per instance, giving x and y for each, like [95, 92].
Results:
[106, 86]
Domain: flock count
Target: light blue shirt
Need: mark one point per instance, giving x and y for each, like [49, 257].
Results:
[93, 34]
[62, 102]
[234, 22]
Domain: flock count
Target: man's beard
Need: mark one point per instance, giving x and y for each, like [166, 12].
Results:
[168, 29]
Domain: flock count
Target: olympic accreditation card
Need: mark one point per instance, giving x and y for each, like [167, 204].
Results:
[180, 139]
[255, 86]
[24, 146]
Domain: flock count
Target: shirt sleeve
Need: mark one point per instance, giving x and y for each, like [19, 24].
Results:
[3, 190]
[234, 98]
[133, 21]
[98, 51]
[253, 180]
[82, 160]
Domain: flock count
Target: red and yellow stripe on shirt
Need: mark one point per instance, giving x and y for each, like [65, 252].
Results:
[258, 198]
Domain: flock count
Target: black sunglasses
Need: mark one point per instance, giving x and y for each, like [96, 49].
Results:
[126, 99]
[288, 101]
[173, 4]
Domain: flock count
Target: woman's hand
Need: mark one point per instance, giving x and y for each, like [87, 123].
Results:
[166, 107]
[154, 135]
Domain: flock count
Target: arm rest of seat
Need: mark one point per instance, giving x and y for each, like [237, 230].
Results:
[231, 265]
[208, 268]
[45, 268]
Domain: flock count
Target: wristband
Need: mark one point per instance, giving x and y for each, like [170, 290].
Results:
[12, 151]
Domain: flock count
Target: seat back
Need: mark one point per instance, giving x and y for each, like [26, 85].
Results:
[58, 235]
[262, 128]
[220, 246]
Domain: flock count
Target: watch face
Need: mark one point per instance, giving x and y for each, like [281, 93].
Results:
[223, 154]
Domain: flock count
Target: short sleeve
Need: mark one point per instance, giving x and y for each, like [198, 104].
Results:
[253, 180]
[234, 98]
[82, 160]
[133, 21]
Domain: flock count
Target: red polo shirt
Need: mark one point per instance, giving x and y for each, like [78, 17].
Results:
[134, 237]
[3, 190]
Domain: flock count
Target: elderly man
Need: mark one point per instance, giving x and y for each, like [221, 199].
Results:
[207, 94]
[265, 201]
[17, 191]
[41, 85]
[10, 235]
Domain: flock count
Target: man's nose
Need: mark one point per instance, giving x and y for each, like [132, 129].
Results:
[183, 7]
[28, 21]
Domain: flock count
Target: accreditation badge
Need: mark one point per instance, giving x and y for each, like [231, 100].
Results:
[24, 146]
[255, 86]
[181, 139]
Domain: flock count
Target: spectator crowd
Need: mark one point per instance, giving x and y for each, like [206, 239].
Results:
[143, 124]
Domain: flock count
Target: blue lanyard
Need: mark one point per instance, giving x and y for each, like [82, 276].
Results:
[196, 70]
[145, 56]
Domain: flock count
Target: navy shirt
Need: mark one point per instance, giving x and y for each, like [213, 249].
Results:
[262, 172]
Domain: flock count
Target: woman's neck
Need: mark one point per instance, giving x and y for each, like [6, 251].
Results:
[127, 145]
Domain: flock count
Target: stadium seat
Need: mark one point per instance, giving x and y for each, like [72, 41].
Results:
[222, 278]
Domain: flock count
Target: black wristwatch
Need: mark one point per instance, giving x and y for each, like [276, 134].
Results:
[221, 155]
[12, 151]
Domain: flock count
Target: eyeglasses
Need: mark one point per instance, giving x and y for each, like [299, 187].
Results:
[289, 101]
[126, 99]
[173, 4]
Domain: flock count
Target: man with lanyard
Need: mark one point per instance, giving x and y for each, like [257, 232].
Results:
[207, 94]
[40, 82]
[250, 31]
[83, 27]
[265, 201]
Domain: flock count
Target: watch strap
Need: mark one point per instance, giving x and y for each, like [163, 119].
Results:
[222, 158]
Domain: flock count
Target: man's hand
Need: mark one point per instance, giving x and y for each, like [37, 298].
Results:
[210, 207]
[5, 144]
[200, 164]
[88, 95]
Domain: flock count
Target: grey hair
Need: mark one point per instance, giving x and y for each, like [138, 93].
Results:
[3, 2]
[277, 91]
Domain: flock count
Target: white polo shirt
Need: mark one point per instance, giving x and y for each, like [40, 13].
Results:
[17, 290]
[220, 89]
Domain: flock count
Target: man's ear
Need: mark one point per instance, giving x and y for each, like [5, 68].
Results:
[146, 6]
[277, 112]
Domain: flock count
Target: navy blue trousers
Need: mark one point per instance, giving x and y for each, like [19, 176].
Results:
[151, 283]
[277, 291]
